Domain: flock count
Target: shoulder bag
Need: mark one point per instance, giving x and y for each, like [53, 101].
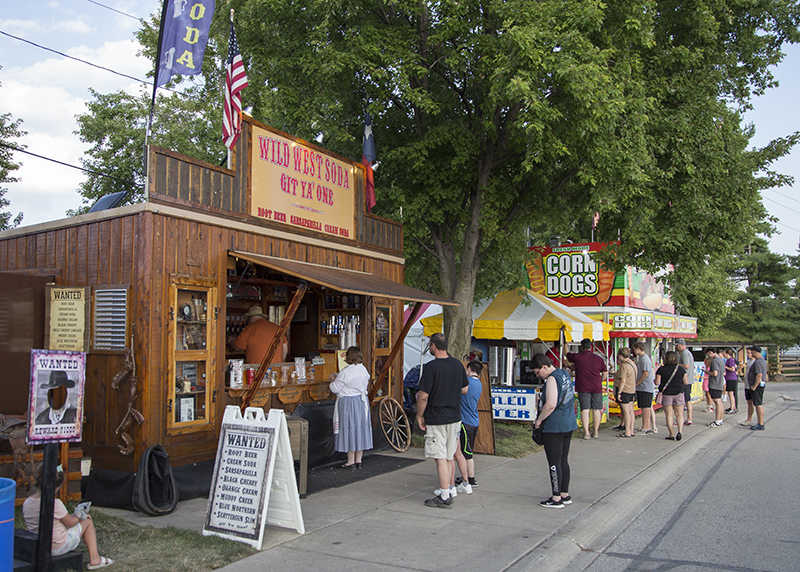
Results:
[660, 396]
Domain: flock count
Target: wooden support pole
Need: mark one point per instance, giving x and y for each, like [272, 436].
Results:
[48, 494]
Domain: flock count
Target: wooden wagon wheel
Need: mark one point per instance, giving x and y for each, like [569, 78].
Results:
[394, 423]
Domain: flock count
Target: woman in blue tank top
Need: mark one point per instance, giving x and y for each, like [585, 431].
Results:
[557, 419]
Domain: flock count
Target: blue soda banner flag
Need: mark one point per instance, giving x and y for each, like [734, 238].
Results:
[184, 35]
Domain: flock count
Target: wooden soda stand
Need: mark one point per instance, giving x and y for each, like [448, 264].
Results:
[284, 228]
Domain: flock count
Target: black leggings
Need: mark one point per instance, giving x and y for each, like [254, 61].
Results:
[556, 447]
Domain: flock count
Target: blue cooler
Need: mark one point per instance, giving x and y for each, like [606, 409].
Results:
[8, 492]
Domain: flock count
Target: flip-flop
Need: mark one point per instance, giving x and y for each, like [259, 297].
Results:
[626, 436]
[103, 563]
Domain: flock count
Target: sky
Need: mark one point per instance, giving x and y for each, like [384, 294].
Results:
[47, 91]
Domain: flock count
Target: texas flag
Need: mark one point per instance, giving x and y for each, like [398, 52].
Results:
[367, 157]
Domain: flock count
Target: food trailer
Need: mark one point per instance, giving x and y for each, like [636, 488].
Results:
[283, 227]
[632, 302]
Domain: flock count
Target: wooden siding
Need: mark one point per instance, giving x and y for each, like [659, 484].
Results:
[145, 250]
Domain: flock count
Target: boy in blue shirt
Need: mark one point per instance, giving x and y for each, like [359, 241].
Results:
[469, 428]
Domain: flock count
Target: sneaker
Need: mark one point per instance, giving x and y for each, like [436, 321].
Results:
[731, 411]
[459, 480]
[715, 424]
[709, 410]
[728, 410]
[757, 427]
[453, 492]
[550, 503]
[438, 502]
[586, 436]
[566, 500]
[746, 423]
[473, 483]
[465, 488]
[647, 431]
[688, 423]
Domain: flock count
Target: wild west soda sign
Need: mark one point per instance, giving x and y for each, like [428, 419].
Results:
[301, 186]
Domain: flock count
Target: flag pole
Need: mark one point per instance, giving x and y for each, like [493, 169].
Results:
[228, 149]
[153, 103]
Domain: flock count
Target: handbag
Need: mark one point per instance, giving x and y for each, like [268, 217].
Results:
[660, 396]
[537, 435]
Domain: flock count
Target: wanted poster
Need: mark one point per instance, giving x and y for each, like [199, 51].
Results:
[55, 409]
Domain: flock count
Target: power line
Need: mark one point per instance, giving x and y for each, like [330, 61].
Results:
[115, 10]
[73, 58]
[85, 62]
[12, 147]
[787, 196]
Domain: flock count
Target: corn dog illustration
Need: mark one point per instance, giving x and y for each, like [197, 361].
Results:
[605, 284]
[536, 272]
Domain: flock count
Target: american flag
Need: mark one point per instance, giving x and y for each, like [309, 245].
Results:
[235, 82]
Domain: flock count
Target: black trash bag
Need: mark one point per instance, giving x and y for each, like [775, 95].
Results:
[155, 491]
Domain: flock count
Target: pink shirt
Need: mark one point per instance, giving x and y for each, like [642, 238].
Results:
[30, 510]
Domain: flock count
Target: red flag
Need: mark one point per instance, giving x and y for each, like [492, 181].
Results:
[369, 187]
[367, 157]
[235, 82]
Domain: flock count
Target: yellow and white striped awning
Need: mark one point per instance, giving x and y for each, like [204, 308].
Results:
[524, 315]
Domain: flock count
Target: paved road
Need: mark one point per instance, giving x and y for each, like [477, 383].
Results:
[731, 505]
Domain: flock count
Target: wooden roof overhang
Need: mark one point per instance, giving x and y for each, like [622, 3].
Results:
[343, 280]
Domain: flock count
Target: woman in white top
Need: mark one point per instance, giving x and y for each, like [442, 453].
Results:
[352, 429]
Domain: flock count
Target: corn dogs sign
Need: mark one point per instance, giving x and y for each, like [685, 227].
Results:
[571, 274]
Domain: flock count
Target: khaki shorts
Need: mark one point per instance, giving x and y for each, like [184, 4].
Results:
[441, 441]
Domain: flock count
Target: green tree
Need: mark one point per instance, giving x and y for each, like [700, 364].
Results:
[497, 119]
[9, 132]
[766, 309]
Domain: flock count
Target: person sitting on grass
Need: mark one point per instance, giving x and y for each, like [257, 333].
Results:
[68, 529]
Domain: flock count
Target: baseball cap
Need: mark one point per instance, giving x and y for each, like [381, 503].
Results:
[756, 349]
[680, 341]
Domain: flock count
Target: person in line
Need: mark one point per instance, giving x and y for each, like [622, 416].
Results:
[686, 361]
[256, 337]
[748, 395]
[469, 428]
[352, 427]
[757, 381]
[439, 415]
[731, 380]
[625, 389]
[590, 373]
[68, 529]
[557, 419]
[645, 386]
[716, 385]
[706, 380]
[671, 379]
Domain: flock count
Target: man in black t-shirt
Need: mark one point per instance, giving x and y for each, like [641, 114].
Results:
[439, 414]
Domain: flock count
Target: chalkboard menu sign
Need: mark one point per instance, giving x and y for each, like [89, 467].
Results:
[254, 467]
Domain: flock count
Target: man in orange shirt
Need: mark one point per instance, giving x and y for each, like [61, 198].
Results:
[257, 336]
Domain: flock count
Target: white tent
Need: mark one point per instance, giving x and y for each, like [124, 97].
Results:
[414, 345]
[522, 314]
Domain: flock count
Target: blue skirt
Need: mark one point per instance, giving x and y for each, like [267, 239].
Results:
[355, 428]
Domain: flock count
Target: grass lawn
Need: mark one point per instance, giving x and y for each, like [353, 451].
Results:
[147, 548]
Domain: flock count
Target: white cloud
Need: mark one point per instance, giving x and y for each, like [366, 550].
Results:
[71, 26]
[20, 27]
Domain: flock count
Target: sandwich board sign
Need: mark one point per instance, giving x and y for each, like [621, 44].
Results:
[254, 482]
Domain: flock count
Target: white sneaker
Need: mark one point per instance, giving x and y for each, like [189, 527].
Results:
[453, 492]
[465, 488]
